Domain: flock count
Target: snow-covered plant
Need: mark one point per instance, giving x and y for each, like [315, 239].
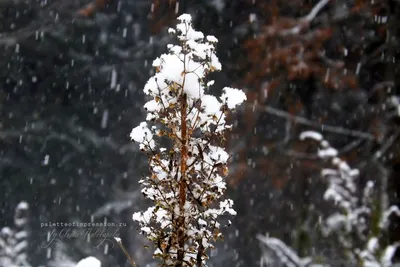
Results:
[186, 180]
[274, 253]
[359, 223]
[13, 242]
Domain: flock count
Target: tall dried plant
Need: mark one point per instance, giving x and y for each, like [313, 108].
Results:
[186, 181]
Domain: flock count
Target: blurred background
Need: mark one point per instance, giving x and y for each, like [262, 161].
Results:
[71, 80]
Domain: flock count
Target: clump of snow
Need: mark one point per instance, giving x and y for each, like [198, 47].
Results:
[373, 244]
[143, 136]
[388, 255]
[312, 135]
[89, 262]
[327, 153]
[185, 27]
[233, 97]
[23, 205]
[218, 154]
[210, 104]
[212, 39]
[226, 206]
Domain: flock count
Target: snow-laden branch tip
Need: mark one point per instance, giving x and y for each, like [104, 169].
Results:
[312, 135]
[393, 210]
[307, 19]
[274, 252]
[316, 9]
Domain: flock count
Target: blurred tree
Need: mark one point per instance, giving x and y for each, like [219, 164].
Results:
[322, 65]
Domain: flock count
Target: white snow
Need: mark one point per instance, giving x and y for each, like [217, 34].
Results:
[210, 104]
[212, 39]
[210, 83]
[46, 160]
[386, 214]
[388, 255]
[353, 211]
[104, 119]
[226, 206]
[287, 256]
[185, 27]
[373, 244]
[252, 17]
[113, 79]
[143, 135]
[89, 262]
[312, 135]
[218, 154]
[233, 97]
[156, 62]
[327, 153]
[23, 206]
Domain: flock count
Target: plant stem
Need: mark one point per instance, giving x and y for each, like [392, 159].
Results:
[131, 261]
[182, 184]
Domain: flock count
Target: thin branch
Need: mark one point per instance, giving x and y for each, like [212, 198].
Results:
[331, 62]
[380, 85]
[378, 154]
[350, 146]
[316, 10]
[131, 261]
[321, 127]
[299, 155]
[305, 21]
[314, 156]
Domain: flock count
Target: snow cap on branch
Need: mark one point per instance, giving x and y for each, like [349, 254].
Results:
[143, 135]
[89, 262]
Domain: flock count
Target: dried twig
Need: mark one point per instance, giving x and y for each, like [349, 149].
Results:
[131, 261]
[378, 154]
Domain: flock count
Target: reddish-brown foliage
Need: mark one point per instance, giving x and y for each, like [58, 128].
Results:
[290, 48]
[293, 49]
[92, 7]
[163, 13]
